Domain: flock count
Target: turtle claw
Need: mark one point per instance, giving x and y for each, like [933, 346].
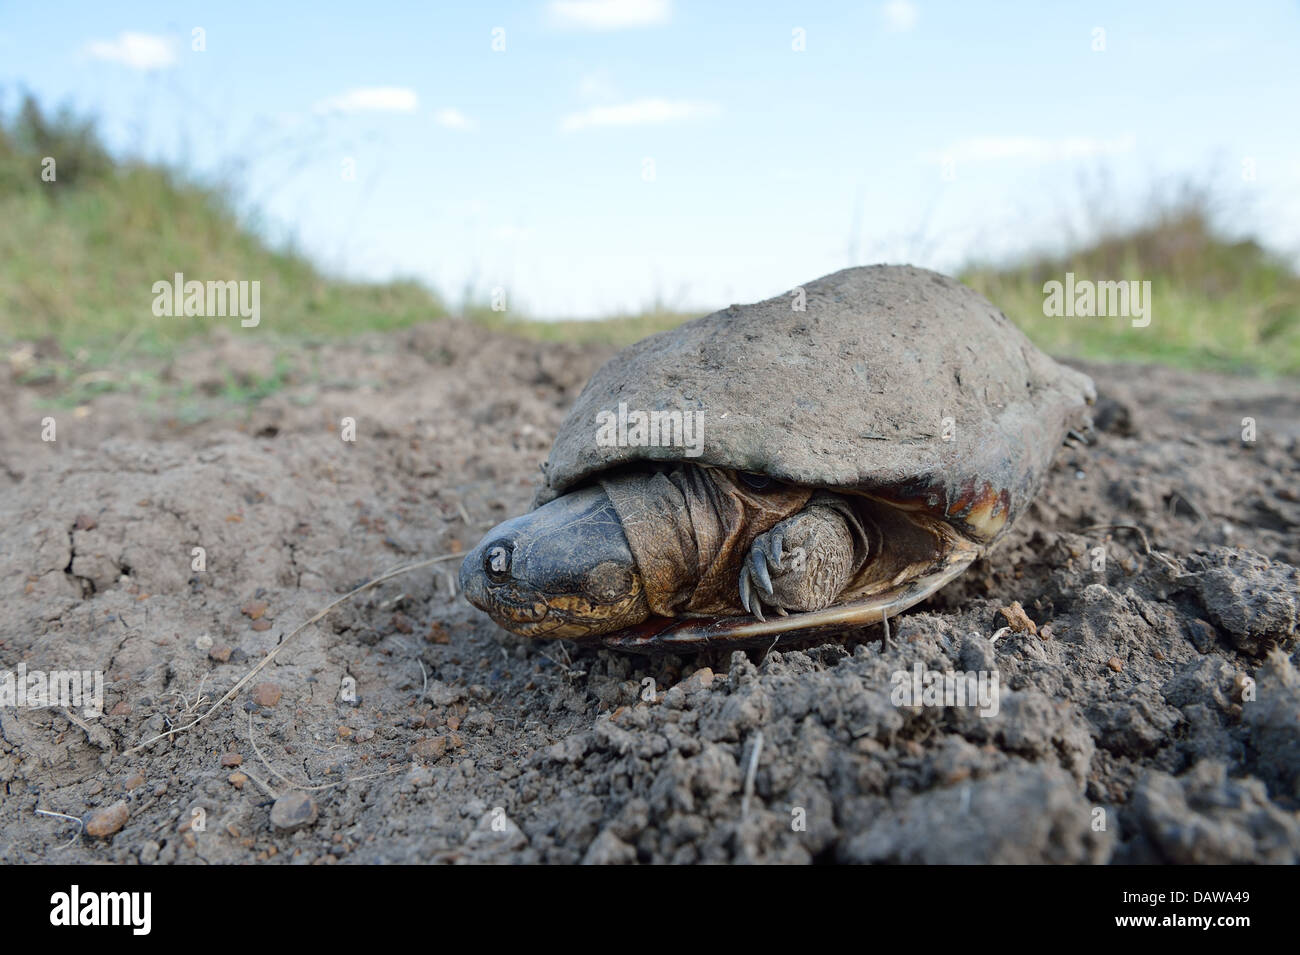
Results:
[756, 573]
[765, 557]
[758, 560]
[749, 595]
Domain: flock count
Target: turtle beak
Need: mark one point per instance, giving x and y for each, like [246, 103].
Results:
[564, 569]
[491, 571]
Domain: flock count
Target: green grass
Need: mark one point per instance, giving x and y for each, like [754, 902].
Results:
[79, 256]
[1215, 304]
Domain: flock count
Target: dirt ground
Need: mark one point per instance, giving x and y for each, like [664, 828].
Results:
[1153, 717]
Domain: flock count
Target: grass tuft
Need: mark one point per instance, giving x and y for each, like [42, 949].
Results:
[1215, 303]
[79, 256]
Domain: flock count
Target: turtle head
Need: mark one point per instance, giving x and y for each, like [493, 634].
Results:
[563, 570]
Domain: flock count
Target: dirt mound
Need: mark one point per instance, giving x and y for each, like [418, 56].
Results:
[1154, 715]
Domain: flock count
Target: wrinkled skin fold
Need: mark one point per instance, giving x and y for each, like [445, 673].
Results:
[690, 528]
[688, 542]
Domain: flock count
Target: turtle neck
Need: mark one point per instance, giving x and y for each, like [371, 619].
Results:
[690, 528]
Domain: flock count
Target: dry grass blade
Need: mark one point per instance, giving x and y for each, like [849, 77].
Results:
[1146, 544]
[81, 826]
[234, 690]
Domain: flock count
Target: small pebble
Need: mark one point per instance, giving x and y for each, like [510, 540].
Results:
[105, 822]
[230, 760]
[1017, 619]
[1203, 636]
[266, 694]
[293, 810]
[220, 653]
[702, 677]
[1115, 663]
[254, 609]
[435, 747]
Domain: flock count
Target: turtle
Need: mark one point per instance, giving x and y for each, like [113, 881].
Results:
[815, 462]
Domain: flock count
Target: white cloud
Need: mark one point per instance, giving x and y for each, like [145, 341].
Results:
[1030, 148]
[644, 112]
[900, 15]
[371, 99]
[453, 118]
[598, 86]
[610, 14]
[139, 51]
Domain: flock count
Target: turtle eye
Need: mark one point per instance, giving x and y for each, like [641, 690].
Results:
[757, 482]
[496, 562]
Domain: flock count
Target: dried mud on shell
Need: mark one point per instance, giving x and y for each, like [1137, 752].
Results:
[1159, 695]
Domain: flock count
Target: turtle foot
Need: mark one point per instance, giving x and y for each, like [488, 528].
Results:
[801, 564]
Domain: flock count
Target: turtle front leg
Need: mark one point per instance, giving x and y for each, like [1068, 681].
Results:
[804, 562]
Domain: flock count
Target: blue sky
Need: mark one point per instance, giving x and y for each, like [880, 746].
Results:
[615, 153]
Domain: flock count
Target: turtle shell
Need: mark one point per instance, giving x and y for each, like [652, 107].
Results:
[889, 381]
